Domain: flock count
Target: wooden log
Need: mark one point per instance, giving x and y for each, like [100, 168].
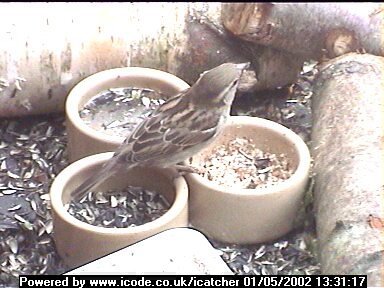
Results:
[208, 45]
[46, 48]
[348, 153]
[309, 29]
[270, 68]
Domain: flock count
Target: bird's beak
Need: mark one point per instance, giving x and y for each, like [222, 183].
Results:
[242, 66]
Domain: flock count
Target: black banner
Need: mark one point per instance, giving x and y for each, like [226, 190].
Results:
[85, 281]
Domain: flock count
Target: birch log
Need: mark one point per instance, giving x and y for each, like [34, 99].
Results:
[348, 152]
[309, 29]
[46, 48]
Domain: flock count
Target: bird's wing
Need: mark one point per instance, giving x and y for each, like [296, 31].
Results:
[163, 135]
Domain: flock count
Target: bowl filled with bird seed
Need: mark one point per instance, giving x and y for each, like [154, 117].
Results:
[127, 207]
[104, 108]
[250, 183]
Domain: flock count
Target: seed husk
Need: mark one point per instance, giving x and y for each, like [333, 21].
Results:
[128, 207]
[117, 111]
[240, 164]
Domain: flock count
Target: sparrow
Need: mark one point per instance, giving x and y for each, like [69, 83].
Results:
[177, 129]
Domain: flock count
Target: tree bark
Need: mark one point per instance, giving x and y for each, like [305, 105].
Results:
[208, 45]
[348, 152]
[308, 29]
[47, 48]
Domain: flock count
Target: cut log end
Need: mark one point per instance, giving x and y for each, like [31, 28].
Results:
[341, 41]
[247, 21]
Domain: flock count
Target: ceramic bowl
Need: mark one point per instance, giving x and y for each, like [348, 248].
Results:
[247, 216]
[78, 242]
[83, 140]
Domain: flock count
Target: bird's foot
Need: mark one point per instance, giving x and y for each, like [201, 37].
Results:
[185, 169]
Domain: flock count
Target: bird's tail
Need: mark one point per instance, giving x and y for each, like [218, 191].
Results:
[97, 178]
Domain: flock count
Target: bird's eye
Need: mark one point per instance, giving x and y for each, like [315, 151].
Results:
[235, 82]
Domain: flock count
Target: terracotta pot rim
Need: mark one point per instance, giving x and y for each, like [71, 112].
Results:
[73, 99]
[65, 175]
[297, 176]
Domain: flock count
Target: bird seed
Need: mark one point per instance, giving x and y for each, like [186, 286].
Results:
[117, 111]
[33, 150]
[32, 153]
[239, 163]
[289, 255]
[132, 206]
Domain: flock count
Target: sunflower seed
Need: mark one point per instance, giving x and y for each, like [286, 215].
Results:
[129, 207]
[12, 244]
[117, 111]
[24, 148]
[14, 208]
[8, 191]
[37, 252]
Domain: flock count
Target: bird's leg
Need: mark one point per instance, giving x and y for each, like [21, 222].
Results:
[185, 169]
